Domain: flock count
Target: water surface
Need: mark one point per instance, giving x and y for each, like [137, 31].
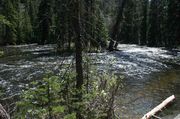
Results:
[152, 74]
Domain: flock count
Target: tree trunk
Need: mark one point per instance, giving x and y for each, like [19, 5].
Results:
[115, 28]
[144, 23]
[78, 45]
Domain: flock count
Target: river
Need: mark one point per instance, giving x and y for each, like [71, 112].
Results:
[151, 74]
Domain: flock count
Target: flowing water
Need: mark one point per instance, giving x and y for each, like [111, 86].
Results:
[151, 74]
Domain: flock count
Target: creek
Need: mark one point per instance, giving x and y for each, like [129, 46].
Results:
[151, 74]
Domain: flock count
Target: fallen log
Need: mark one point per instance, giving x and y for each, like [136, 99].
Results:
[158, 108]
[3, 113]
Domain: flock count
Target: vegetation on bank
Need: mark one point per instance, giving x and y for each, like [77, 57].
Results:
[55, 97]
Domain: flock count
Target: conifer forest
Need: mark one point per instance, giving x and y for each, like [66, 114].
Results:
[89, 59]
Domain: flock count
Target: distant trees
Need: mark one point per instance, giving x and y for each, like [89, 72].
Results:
[163, 16]
[153, 24]
[24, 23]
[63, 21]
[44, 21]
[143, 22]
[10, 13]
[95, 32]
[130, 29]
[20, 28]
[173, 26]
[150, 23]
[115, 29]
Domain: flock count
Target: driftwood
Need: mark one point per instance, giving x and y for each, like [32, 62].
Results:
[158, 108]
[3, 113]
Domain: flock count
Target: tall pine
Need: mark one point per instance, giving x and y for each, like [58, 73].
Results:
[44, 21]
[10, 13]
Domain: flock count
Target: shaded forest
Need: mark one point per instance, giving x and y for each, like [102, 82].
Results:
[153, 23]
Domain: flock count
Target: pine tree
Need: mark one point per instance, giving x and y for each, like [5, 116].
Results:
[44, 21]
[10, 12]
[32, 10]
[127, 25]
[64, 24]
[101, 32]
[24, 26]
[78, 44]
[153, 25]
[173, 23]
[90, 24]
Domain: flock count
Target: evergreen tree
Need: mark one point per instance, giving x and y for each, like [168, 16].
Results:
[144, 22]
[101, 32]
[127, 24]
[78, 44]
[24, 25]
[32, 10]
[44, 21]
[62, 21]
[173, 23]
[95, 33]
[10, 13]
[153, 25]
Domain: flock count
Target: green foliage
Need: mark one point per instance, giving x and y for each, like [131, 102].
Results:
[99, 99]
[44, 17]
[56, 96]
[10, 12]
[4, 21]
[70, 116]
[41, 99]
[101, 31]
[145, 22]
[24, 28]
[100, 92]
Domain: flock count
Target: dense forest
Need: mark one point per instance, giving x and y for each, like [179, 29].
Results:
[78, 90]
[143, 22]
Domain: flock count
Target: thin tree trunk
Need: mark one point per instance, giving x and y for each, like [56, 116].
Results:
[78, 45]
[144, 23]
[49, 102]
